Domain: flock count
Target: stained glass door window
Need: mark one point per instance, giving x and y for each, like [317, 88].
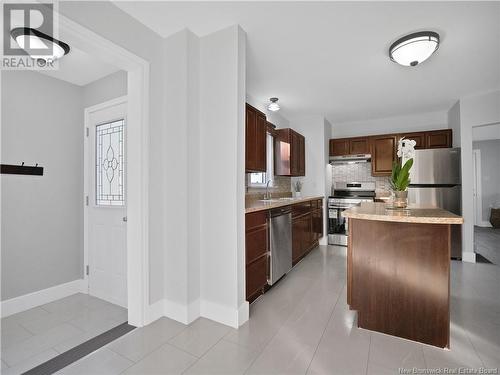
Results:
[109, 166]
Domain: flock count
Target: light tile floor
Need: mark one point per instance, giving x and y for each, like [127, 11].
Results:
[487, 243]
[34, 336]
[303, 325]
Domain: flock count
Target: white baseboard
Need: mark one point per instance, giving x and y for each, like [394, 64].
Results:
[176, 311]
[173, 310]
[219, 313]
[193, 312]
[484, 224]
[155, 311]
[243, 313]
[323, 240]
[41, 297]
[186, 315]
[469, 257]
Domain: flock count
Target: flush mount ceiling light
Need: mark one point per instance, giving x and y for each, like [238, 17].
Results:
[39, 45]
[273, 106]
[412, 49]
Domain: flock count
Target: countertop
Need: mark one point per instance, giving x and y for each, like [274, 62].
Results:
[414, 214]
[259, 205]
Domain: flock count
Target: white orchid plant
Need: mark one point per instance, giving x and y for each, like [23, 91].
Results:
[400, 177]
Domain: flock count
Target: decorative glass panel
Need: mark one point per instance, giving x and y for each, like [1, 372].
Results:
[109, 167]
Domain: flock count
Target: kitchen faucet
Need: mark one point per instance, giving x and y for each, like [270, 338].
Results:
[267, 196]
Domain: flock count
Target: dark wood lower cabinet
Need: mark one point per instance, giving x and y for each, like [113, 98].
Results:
[301, 236]
[317, 223]
[307, 229]
[256, 253]
[256, 278]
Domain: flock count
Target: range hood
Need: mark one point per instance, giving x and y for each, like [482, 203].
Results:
[350, 159]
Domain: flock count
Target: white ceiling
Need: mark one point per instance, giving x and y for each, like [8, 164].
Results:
[80, 69]
[331, 58]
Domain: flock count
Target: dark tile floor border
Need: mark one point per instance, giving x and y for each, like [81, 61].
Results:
[64, 359]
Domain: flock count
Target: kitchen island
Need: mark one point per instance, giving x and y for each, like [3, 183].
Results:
[398, 270]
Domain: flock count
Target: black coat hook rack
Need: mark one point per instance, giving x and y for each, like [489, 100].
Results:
[21, 169]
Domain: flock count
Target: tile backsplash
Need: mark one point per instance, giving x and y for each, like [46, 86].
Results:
[360, 172]
[281, 184]
[282, 187]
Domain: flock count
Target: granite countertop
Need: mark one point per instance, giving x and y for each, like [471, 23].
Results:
[259, 205]
[414, 214]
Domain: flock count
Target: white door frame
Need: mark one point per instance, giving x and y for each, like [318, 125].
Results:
[137, 137]
[478, 199]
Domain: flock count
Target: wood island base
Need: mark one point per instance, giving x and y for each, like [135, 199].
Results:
[398, 279]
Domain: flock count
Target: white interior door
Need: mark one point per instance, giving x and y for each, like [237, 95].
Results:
[107, 212]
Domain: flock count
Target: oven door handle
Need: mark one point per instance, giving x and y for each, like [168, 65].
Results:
[342, 207]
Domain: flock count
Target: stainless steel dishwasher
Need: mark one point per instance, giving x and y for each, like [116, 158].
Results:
[281, 243]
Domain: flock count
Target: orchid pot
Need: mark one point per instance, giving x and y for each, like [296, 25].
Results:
[400, 177]
[400, 199]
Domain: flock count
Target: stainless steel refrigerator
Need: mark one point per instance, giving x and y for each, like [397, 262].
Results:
[436, 181]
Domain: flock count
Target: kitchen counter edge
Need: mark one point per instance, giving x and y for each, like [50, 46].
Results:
[415, 214]
[262, 206]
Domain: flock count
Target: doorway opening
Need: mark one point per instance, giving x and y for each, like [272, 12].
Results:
[44, 125]
[105, 211]
[486, 190]
[136, 138]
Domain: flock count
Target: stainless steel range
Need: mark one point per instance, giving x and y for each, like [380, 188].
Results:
[345, 195]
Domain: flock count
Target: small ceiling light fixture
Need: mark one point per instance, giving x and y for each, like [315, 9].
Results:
[415, 48]
[273, 106]
[39, 45]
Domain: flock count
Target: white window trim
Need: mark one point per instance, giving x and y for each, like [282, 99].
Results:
[269, 165]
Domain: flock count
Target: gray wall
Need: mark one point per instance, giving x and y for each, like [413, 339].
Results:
[42, 217]
[490, 174]
[104, 89]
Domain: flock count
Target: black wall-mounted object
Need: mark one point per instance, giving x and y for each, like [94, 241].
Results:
[21, 169]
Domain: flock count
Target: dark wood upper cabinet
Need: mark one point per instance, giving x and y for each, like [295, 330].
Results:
[383, 151]
[431, 139]
[302, 156]
[383, 148]
[289, 153]
[255, 140]
[439, 139]
[339, 147]
[360, 145]
[349, 146]
[417, 137]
